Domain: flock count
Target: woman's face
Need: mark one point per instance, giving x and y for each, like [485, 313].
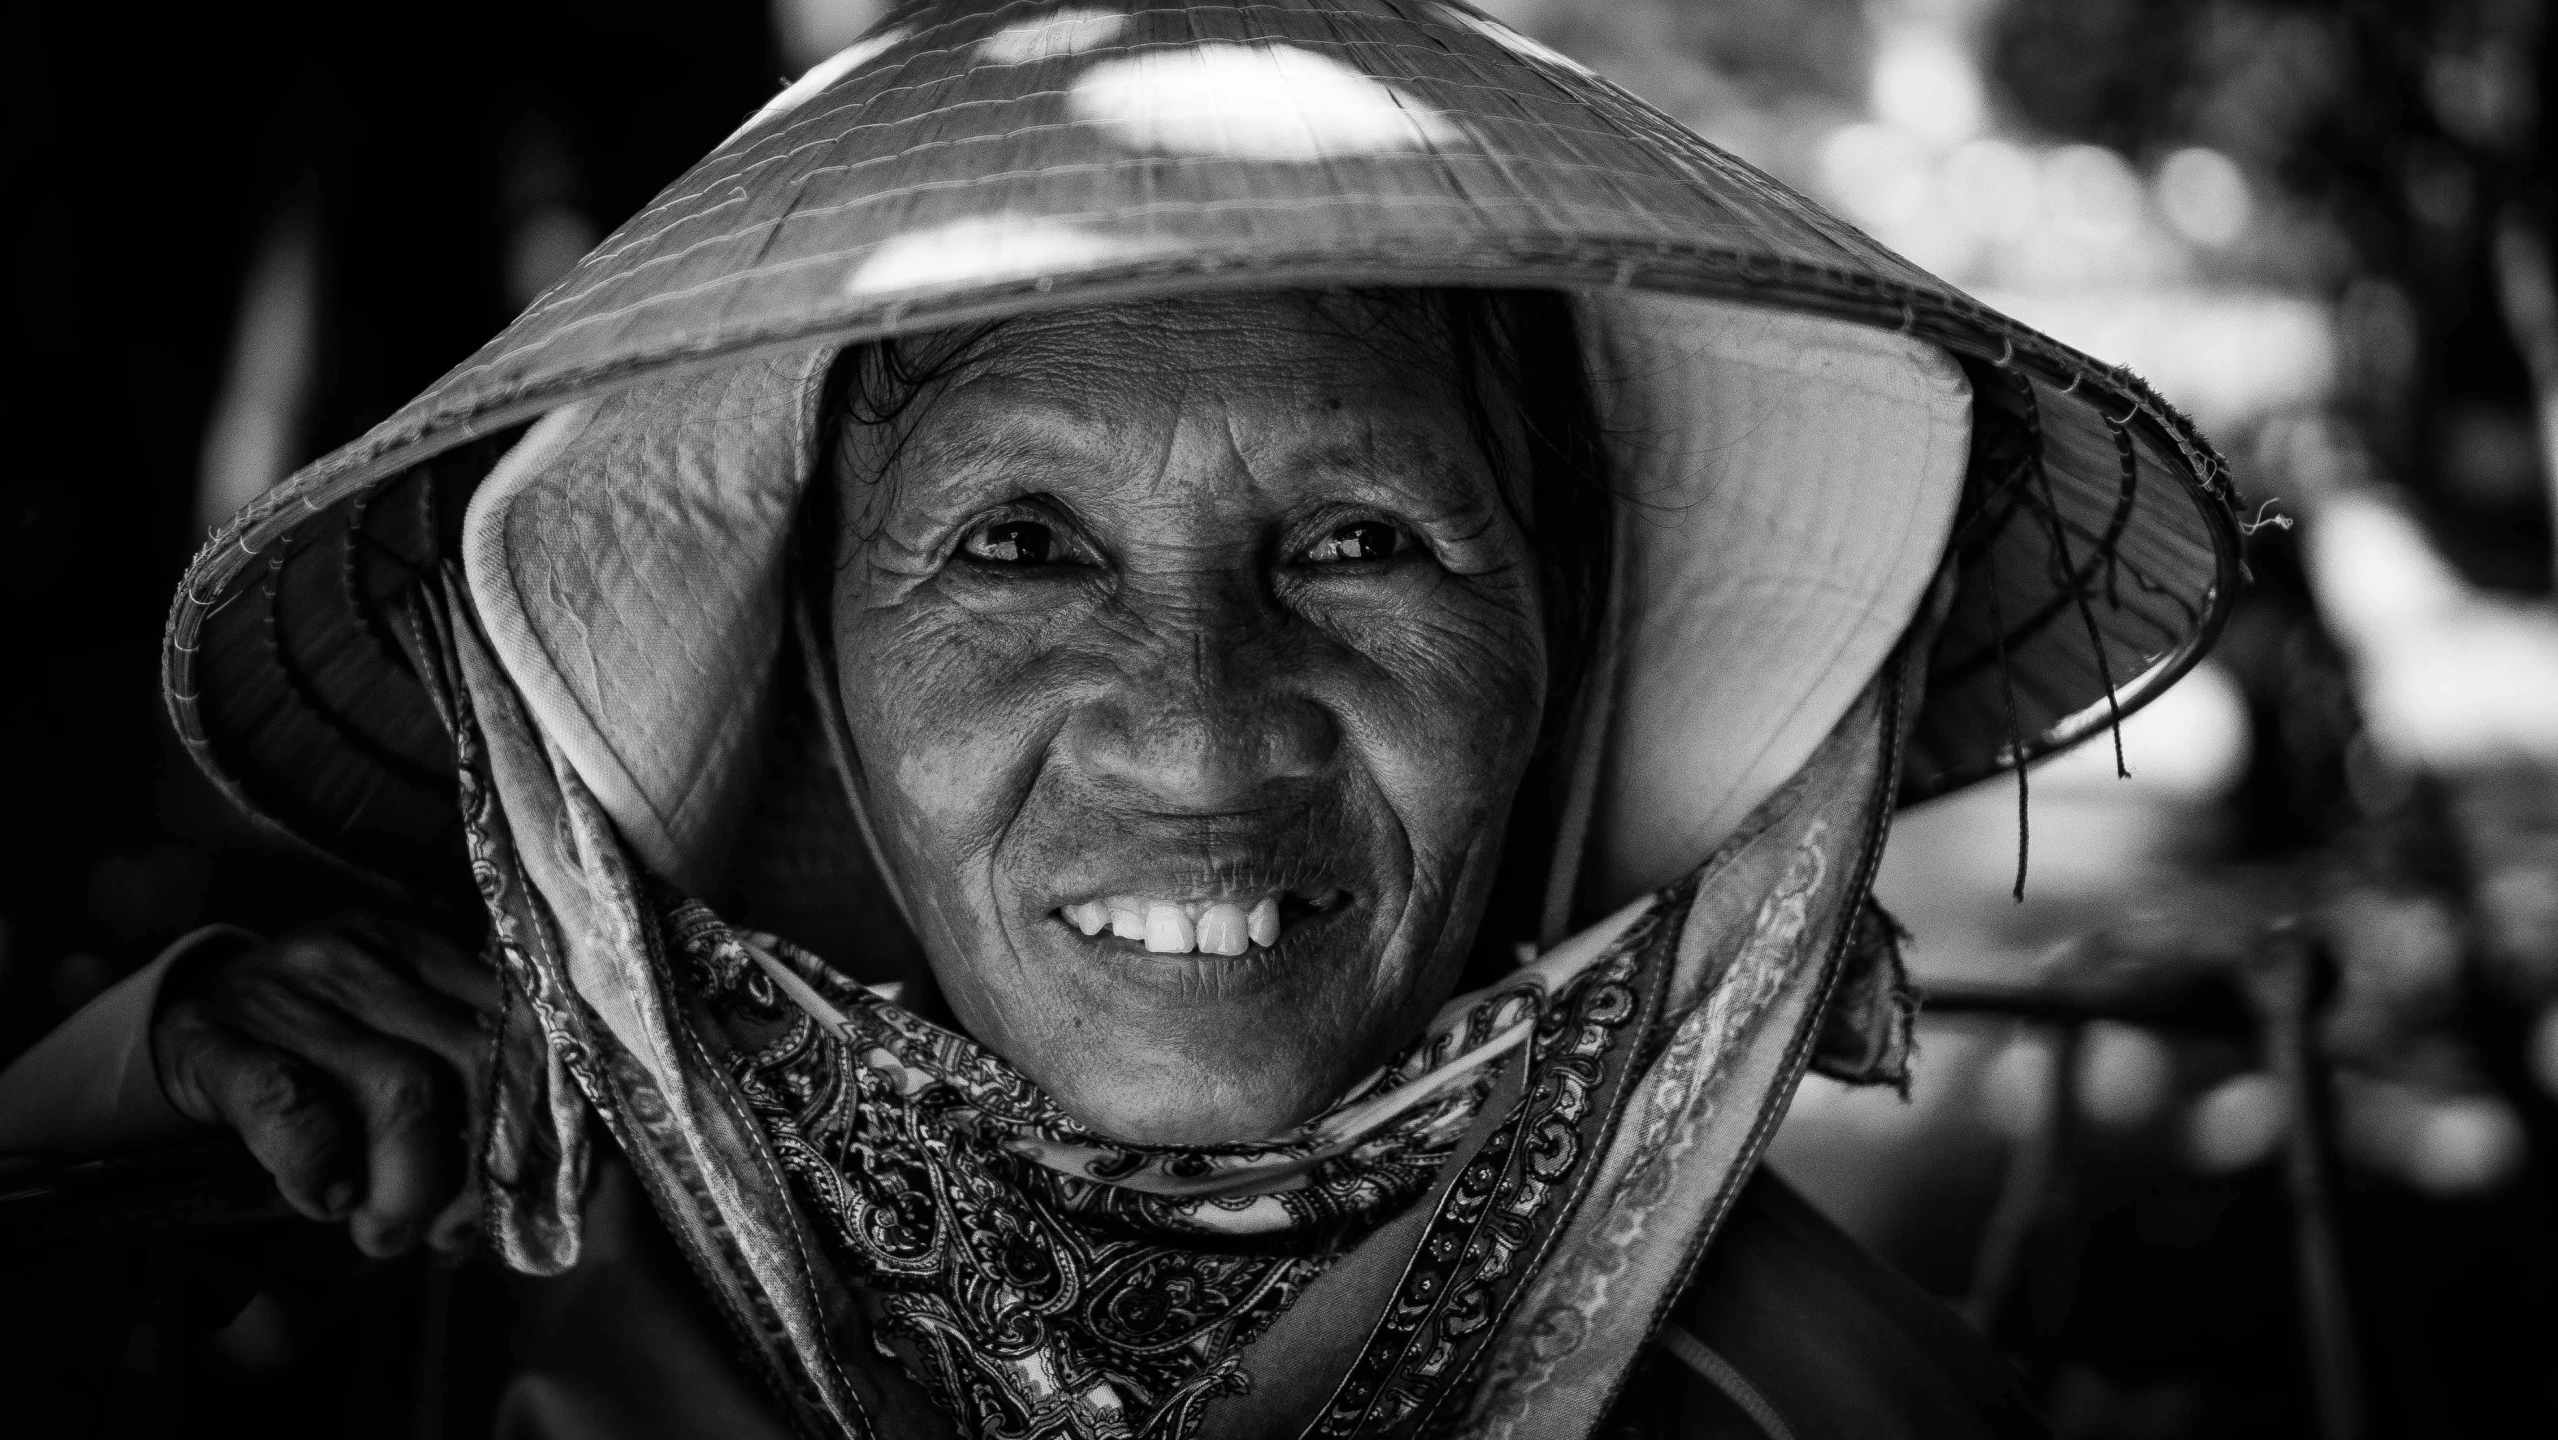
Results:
[1192, 657]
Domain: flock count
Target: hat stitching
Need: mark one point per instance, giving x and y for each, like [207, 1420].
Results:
[355, 466]
[2073, 580]
[1853, 244]
[1229, 205]
[1223, 205]
[1971, 662]
[2078, 579]
[298, 685]
[804, 116]
[368, 616]
[834, 139]
[1635, 120]
[2015, 756]
[1430, 159]
[2130, 461]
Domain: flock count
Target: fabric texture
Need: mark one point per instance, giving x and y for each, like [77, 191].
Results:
[627, 559]
[625, 1348]
[1786, 486]
[1572, 1175]
[1039, 1278]
[1837, 1345]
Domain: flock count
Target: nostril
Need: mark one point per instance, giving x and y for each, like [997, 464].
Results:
[1208, 753]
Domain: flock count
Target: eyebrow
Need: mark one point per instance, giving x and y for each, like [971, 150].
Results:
[1382, 457]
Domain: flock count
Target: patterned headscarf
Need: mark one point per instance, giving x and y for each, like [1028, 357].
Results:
[1040, 1278]
[914, 1239]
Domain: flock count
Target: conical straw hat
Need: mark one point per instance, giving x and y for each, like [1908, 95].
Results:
[969, 161]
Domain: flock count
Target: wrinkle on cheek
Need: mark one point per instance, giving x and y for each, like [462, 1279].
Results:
[1166, 453]
[957, 724]
[956, 829]
[1489, 625]
[1477, 666]
[878, 591]
[1454, 716]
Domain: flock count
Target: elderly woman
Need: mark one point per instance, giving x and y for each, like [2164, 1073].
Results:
[1156, 722]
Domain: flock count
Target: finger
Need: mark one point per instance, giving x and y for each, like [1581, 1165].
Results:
[397, 1050]
[456, 1228]
[458, 1037]
[434, 961]
[289, 1114]
[403, 1095]
[351, 974]
[413, 1130]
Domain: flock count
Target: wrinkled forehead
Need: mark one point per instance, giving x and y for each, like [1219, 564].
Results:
[1366, 387]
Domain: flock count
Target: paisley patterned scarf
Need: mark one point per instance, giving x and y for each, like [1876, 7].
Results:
[912, 1239]
[1042, 1279]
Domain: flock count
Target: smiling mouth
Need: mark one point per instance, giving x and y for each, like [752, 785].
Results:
[1201, 925]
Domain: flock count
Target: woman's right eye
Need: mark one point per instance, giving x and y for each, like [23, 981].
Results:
[1013, 542]
[1359, 540]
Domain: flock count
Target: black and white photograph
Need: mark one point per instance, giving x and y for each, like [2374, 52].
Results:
[1282, 720]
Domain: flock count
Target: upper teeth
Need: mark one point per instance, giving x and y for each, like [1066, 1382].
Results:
[1179, 927]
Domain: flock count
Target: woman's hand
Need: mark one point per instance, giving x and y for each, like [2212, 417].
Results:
[349, 1057]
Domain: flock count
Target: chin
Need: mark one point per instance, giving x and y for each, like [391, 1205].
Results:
[1204, 1049]
[1200, 1108]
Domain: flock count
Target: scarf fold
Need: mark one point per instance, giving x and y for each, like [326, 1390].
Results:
[911, 1239]
[1041, 1279]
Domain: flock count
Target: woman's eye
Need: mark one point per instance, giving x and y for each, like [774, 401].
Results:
[1359, 540]
[1013, 542]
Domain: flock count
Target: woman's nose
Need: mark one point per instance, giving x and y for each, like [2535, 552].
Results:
[1206, 731]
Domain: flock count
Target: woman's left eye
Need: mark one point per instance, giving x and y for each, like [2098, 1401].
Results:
[1013, 542]
[1360, 540]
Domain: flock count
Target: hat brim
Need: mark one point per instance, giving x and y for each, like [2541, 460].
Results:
[968, 162]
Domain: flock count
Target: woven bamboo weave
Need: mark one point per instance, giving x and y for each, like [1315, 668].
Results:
[970, 160]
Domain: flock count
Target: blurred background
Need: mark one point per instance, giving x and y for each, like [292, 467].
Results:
[2243, 1121]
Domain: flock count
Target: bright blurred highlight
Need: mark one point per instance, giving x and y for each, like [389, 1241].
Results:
[2229, 358]
[1927, 85]
[2444, 1145]
[2237, 1123]
[2093, 193]
[1993, 189]
[2190, 744]
[1260, 102]
[2203, 195]
[2125, 1074]
[1877, 173]
[2450, 678]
